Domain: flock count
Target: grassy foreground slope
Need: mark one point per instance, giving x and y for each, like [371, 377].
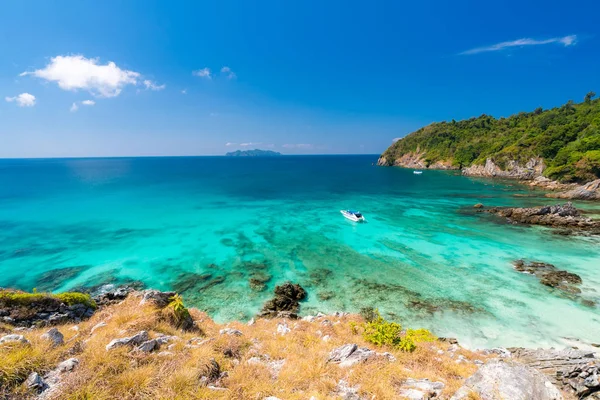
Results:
[567, 138]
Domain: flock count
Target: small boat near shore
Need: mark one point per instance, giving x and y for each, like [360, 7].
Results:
[355, 216]
[417, 172]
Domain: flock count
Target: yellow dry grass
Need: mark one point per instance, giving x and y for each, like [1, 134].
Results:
[126, 374]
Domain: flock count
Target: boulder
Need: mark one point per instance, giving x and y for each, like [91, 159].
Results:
[148, 346]
[347, 392]
[13, 339]
[230, 331]
[589, 191]
[158, 298]
[572, 370]
[67, 365]
[499, 380]
[478, 205]
[135, 340]
[54, 337]
[350, 354]
[286, 300]
[421, 389]
[35, 383]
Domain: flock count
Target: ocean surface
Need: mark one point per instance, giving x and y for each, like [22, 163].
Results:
[206, 226]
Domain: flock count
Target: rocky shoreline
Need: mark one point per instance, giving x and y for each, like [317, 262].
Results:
[492, 374]
[529, 174]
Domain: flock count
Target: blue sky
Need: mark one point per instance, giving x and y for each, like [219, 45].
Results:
[119, 78]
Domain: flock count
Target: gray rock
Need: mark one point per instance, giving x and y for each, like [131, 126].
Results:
[54, 336]
[137, 339]
[499, 380]
[230, 331]
[421, 389]
[148, 346]
[347, 392]
[569, 369]
[13, 339]
[160, 299]
[350, 354]
[67, 365]
[35, 383]
[98, 326]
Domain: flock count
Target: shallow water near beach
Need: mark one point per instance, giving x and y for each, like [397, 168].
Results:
[224, 231]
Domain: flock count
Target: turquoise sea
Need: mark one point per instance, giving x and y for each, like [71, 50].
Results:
[205, 226]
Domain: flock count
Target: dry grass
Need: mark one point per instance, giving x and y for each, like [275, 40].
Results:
[123, 374]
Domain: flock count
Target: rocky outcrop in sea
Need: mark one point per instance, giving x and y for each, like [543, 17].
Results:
[564, 216]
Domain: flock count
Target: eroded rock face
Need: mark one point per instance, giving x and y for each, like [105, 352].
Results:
[499, 380]
[513, 170]
[589, 191]
[574, 371]
[557, 216]
[550, 276]
[54, 337]
[286, 301]
[350, 354]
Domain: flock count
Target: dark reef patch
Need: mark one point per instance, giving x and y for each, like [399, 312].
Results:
[55, 278]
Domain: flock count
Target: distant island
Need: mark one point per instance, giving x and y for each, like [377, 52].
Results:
[253, 153]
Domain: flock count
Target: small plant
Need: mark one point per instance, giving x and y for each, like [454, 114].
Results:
[180, 316]
[385, 333]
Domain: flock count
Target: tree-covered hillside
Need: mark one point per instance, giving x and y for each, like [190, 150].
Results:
[568, 138]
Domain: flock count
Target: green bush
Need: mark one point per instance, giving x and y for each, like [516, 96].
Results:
[384, 333]
[72, 298]
[15, 298]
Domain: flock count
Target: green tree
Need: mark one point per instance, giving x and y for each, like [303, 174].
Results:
[589, 97]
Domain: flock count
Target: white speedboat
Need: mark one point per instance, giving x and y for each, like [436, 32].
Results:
[353, 215]
[417, 172]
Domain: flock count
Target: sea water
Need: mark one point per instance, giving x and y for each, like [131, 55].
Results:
[206, 226]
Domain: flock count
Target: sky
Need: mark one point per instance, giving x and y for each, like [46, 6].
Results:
[81, 78]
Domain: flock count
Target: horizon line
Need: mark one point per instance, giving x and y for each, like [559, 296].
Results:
[185, 156]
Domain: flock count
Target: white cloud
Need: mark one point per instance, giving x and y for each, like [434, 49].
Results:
[184, 91]
[228, 72]
[202, 73]
[153, 86]
[22, 100]
[230, 144]
[394, 140]
[88, 102]
[297, 146]
[74, 107]
[79, 73]
[250, 144]
[565, 41]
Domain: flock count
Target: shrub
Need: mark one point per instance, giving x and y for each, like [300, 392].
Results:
[72, 298]
[385, 333]
[15, 298]
[178, 314]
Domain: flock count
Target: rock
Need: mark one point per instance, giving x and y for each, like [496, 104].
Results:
[347, 392]
[35, 383]
[350, 354]
[111, 295]
[271, 398]
[13, 339]
[287, 300]
[421, 389]
[67, 365]
[283, 329]
[158, 298]
[230, 331]
[478, 205]
[557, 216]
[97, 326]
[499, 380]
[251, 322]
[499, 351]
[589, 191]
[135, 340]
[148, 346]
[550, 276]
[514, 170]
[569, 369]
[54, 336]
